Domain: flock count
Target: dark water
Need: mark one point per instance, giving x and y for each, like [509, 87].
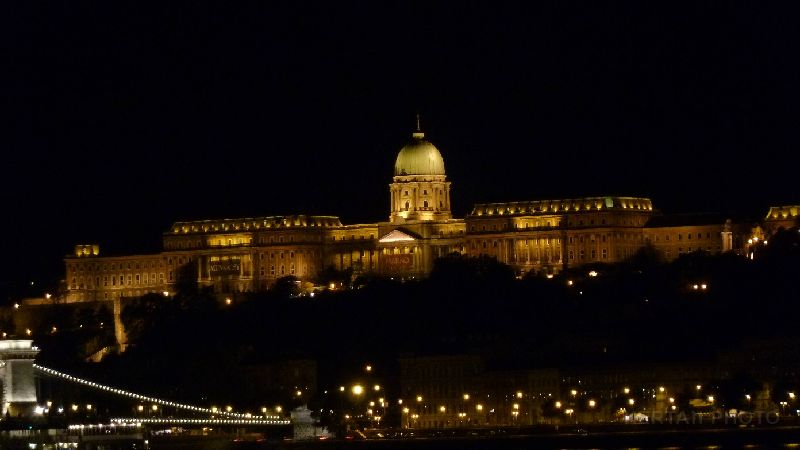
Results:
[722, 439]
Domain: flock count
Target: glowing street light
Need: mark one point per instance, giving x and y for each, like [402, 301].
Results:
[368, 368]
[711, 398]
[558, 405]
[626, 390]
[341, 388]
[442, 408]
[377, 387]
[631, 401]
[573, 392]
[478, 407]
[419, 398]
[466, 396]
[357, 389]
[592, 403]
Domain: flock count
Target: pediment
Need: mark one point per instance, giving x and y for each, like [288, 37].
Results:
[396, 236]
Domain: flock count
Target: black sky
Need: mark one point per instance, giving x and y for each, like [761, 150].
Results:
[124, 117]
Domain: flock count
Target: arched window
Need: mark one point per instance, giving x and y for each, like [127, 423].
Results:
[406, 206]
[425, 203]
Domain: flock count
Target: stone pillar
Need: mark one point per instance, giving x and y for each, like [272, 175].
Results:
[119, 328]
[16, 372]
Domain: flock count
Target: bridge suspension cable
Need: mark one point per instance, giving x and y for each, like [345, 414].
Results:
[144, 398]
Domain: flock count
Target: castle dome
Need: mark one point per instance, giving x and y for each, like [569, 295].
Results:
[419, 157]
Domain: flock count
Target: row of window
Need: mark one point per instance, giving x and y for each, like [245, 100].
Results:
[120, 280]
[688, 236]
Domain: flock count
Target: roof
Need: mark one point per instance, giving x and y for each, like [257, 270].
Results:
[419, 157]
[254, 223]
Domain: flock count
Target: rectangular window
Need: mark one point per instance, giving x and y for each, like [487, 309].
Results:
[605, 253]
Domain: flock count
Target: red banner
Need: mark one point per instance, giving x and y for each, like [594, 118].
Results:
[396, 263]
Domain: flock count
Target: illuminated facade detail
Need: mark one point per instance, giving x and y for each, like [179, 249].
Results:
[543, 236]
[782, 217]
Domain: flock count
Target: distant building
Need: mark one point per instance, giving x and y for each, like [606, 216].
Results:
[250, 254]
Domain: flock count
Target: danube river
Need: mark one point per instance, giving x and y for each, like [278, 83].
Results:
[722, 438]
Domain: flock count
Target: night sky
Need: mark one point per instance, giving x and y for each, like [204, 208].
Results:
[124, 117]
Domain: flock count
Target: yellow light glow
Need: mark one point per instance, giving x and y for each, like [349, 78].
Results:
[627, 390]
[228, 301]
[298, 393]
[711, 398]
[357, 389]
[88, 407]
[558, 404]
[519, 394]
[341, 388]
[593, 273]
[405, 410]
[368, 368]
[515, 406]
[573, 392]
[791, 395]
[377, 387]
[569, 282]
[631, 401]
[466, 396]
[371, 403]
[155, 407]
[229, 408]
[140, 408]
[592, 403]
[672, 400]
[74, 407]
[442, 409]
[278, 408]
[419, 398]
[479, 407]
[698, 387]
[661, 389]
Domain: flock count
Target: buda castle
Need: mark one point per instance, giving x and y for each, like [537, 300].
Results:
[544, 236]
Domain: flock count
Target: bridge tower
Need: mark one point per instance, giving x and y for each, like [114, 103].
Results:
[16, 375]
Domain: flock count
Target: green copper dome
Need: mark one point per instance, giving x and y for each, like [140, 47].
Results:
[419, 157]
